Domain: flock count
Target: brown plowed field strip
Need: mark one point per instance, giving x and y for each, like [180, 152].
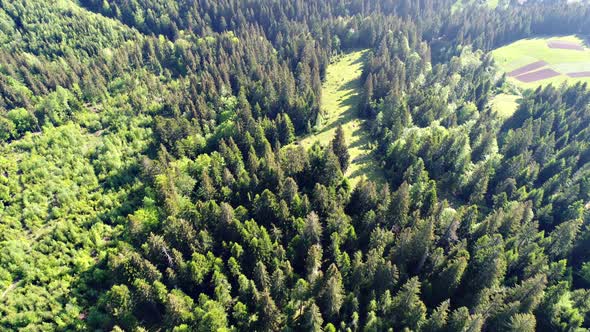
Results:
[579, 74]
[566, 45]
[527, 68]
[537, 75]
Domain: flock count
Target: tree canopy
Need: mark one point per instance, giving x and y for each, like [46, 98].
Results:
[151, 177]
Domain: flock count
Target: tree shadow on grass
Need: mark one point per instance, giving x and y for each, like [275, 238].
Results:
[368, 169]
[350, 101]
[360, 143]
[352, 85]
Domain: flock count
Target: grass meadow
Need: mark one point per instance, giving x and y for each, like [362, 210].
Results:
[340, 97]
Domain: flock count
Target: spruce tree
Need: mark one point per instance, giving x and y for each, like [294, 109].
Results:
[312, 319]
[285, 129]
[341, 149]
[407, 308]
[522, 323]
[399, 208]
[438, 318]
[332, 292]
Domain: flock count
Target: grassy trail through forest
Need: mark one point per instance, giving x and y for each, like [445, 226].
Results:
[340, 98]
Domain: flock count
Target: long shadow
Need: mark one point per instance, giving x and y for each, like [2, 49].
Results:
[350, 101]
[362, 140]
[350, 85]
[365, 161]
[371, 172]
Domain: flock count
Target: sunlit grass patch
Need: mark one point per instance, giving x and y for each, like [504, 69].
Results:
[340, 97]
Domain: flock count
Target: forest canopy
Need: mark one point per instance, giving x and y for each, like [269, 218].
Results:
[153, 175]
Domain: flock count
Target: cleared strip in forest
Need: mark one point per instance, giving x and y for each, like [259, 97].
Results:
[340, 97]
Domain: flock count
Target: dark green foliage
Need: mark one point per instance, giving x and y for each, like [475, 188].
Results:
[341, 149]
[150, 177]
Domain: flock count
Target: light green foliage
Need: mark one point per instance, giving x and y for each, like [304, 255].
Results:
[522, 323]
[57, 216]
[41, 36]
[23, 120]
[340, 97]
[211, 317]
[144, 187]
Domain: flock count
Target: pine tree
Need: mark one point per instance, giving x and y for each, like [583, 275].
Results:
[341, 149]
[285, 129]
[271, 318]
[529, 293]
[367, 95]
[332, 292]
[313, 262]
[206, 189]
[563, 237]
[179, 308]
[312, 319]
[119, 304]
[461, 320]
[312, 232]
[211, 316]
[413, 246]
[430, 199]
[261, 276]
[438, 318]
[553, 316]
[289, 190]
[399, 209]
[446, 281]
[407, 308]
[488, 266]
[522, 323]
[330, 173]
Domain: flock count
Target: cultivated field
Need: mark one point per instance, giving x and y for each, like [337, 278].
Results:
[340, 97]
[540, 61]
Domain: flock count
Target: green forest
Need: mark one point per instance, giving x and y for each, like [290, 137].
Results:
[291, 165]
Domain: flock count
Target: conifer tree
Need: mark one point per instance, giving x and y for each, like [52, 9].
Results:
[332, 292]
[271, 318]
[399, 209]
[330, 173]
[341, 149]
[438, 318]
[522, 323]
[312, 233]
[407, 308]
[312, 319]
[285, 129]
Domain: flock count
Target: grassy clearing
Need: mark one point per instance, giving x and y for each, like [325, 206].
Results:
[525, 51]
[461, 3]
[505, 104]
[340, 97]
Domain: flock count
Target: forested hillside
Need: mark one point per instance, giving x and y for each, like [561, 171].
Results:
[159, 169]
